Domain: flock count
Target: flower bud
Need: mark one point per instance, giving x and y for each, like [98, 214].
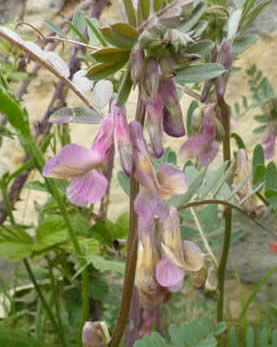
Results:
[151, 78]
[154, 124]
[225, 58]
[197, 121]
[137, 65]
[173, 117]
[95, 334]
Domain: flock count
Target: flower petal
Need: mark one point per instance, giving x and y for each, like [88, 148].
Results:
[72, 161]
[122, 139]
[103, 142]
[273, 246]
[149, 206]
[193, 256]
[87, 189]
[209, 155]
[172, 181]
[168, 274]
[154, 124]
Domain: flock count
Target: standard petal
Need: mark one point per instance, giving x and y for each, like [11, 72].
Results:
[87, 189]
[154, 124]
[72, 161]
[122, 139]
[168, 274]
[172, 181]
[104, 140]
[193, 256]
[148, 206]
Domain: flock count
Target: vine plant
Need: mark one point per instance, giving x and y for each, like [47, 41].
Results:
[167, 48]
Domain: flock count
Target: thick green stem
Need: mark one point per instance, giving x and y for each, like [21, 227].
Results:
[131, 262]
[225, 116]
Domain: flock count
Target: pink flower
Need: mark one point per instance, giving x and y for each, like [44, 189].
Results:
[156, 188]
[122, 138]
[273, 246]
[203, 146]
[84, 167]
[177, 257]
[154, 124]
[269, 142]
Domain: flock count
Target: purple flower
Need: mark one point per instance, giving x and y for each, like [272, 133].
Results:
[269, 142]
[154, 124]
[84, 167]
[155, 187]
[173, 119]
[225, 58]
[122, 138]
[177, 257]
[203, 146]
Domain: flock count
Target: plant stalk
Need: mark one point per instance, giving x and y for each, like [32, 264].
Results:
[225, 117]
[131, 261]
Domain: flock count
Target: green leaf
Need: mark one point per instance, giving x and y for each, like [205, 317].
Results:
[121, 229]
[55, 28]
[271, 183]
[260, 129]
[121, 35]
[263, 337]
[37, 186]
[192, 107]
[51, 231]
[112, 55]
[80, 224]
[78, 26]
[254, 13]
[143, 10]
[15, 113]
[241, 44]
[250, 337]
[94, 34]
[103, 265]
[103, 232]
[194, 18]
[16, 338]
[98, 289]
[125, 87]
[102, 71]
[155, 340]
[234, 338]
[102, 93]
[274, 338]
[124, 182]
[239, 3]
[130, 12]
[76, 115]
[233, 24]
[203, 47]
[258, 165]
[199, 73]
[15, 243]
[239, 140]
[158, 4]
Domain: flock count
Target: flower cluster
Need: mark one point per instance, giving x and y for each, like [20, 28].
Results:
[162, 257]
[85, 167]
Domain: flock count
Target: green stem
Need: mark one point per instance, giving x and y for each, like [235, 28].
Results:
[131, 262]
[255, 292]
[53, 189]
[7, 201]
[44, 302]
[55, 295]
[225, 116]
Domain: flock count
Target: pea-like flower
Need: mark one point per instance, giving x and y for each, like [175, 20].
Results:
[203, 146]
[84, 166]
[156, 188]
[177, 257]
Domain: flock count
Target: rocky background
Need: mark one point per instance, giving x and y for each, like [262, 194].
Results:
[250, 258]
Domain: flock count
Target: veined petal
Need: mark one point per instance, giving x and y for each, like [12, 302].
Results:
[155, 124]
[193, 256]
[72, 161]
[149, 206]
[172, 181]
[87, 189]
[144, 170]
[103, 142]
[122, 139]
[168, 274]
